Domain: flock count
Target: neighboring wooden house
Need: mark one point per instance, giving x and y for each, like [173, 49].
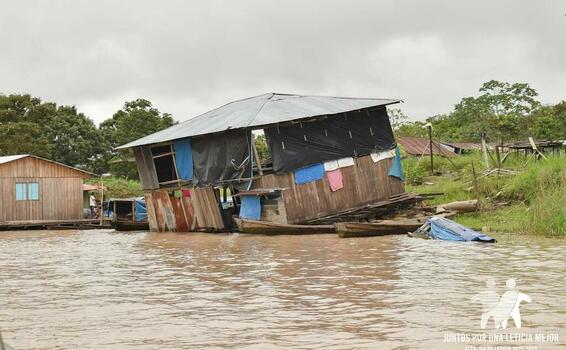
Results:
[34, 189]
[328, 156]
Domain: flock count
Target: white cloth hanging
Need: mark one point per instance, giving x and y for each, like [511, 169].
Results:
[377, 156]
[331, 165]
[344, 162]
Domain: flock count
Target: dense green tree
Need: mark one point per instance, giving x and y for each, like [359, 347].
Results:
[28, 125]
[549, 122]
[138, 118]
[23, 138]
[261, 145]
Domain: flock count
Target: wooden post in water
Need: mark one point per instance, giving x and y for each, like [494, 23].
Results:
[429, 127]
[101, 213]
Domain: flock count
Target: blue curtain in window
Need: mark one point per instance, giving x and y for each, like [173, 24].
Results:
[184, 158]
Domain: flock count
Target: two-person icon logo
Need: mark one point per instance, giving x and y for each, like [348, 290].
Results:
[501, 308]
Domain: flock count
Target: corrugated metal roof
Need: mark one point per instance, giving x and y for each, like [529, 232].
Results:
[259, 111]
[7, 159]
[418, 146]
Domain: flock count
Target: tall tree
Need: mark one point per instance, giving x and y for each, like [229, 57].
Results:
[60, 133]
[138, 118]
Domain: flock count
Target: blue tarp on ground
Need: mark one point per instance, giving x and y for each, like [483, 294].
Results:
[250, 208]
[309, 173]
[141, 210]
[184, 158]
[448, 230]
[396, 169]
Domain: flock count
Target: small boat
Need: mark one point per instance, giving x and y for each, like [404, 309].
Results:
[447, 230]
[128, 214]
[272, 228]
[378, 228]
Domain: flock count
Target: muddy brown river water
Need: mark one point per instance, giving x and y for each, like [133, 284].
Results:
[100, 289]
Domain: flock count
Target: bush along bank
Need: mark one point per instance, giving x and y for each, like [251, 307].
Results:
[522, 198]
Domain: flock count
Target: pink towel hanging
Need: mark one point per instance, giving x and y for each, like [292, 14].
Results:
[335, 179]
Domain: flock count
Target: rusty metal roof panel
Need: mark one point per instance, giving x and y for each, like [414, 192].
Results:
[258, 111]
[418, 146]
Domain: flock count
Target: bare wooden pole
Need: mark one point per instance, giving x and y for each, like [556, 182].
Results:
[484, 151]
[475, 180]
[429, 126]
[498, 156]
[256, 156]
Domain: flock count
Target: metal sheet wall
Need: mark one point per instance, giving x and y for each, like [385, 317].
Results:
[199, 211]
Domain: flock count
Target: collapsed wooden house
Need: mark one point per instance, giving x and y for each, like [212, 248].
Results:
[328, 156]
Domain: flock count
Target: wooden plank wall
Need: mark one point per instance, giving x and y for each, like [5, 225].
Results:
[199, 211]
[146, 167]
[364, 182]
[59, 199]
[37, 168]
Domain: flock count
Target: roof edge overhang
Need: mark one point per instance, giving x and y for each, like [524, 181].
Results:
[136, 143]
[22, 156]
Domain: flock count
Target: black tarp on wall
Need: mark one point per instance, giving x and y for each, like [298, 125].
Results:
[220, 156]
[349, 134]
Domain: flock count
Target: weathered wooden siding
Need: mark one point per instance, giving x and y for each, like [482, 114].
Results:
[59, 199]
[60, 191]
[199, 211]
[364, 182]
[146, 168]
[38, 168]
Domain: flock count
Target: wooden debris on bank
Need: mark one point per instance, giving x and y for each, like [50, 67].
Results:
[459, 207]
[370, 211]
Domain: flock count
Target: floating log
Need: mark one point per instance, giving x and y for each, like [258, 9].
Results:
[378, 228]
[272, 228]
[383, 227]
[460, 207]
[130, 225]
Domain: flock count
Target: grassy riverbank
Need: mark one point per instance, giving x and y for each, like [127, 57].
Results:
[531, 201]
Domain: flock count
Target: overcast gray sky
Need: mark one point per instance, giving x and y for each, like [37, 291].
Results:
[188, 57]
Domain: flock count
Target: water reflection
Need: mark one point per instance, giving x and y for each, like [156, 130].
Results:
[108, 290]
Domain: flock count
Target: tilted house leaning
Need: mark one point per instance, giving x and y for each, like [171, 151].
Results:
[326, 155]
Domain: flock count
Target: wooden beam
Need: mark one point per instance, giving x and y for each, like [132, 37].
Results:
[256, 156]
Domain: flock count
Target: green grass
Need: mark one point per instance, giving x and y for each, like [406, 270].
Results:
[116, 187]
[535, 196]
